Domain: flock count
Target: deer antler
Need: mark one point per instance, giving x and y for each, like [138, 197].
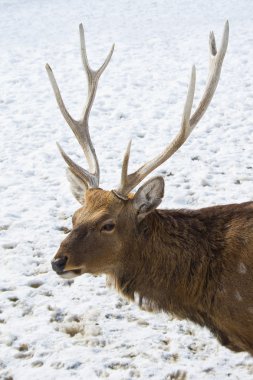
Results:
[129, 181]
[81, 127]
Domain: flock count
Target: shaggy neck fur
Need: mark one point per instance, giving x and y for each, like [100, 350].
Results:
[177, 263]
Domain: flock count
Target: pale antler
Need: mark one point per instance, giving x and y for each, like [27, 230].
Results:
[81, 127]
[129, 181]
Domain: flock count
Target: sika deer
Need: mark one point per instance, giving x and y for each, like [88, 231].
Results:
[196, 264]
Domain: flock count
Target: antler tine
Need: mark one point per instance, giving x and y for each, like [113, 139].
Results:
[92, 75]
[216, 60]
[128, 182]
[80, 127]
[125, 164]
[80, 172]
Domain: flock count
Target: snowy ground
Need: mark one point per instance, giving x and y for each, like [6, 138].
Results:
[56, 329]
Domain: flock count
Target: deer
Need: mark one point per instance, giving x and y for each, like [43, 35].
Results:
[195, 264]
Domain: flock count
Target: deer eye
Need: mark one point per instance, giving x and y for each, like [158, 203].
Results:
[108, 227]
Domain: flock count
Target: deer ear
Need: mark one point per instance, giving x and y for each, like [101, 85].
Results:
[77, 185]
[148, 197]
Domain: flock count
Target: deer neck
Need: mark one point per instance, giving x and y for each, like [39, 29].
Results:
[171, 265]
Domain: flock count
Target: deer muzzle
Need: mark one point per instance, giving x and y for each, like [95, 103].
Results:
[58, 265]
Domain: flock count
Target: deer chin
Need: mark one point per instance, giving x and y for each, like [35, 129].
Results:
[69, 274]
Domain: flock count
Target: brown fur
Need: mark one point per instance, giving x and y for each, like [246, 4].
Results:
[196, 264]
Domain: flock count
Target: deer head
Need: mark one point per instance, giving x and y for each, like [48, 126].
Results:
[108, 224]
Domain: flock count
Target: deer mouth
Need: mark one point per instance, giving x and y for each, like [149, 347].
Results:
[68, 274]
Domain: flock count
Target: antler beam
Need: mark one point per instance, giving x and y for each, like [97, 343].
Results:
[129, 181]
[81, 127]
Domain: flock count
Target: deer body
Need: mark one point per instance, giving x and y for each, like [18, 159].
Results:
[195, 264]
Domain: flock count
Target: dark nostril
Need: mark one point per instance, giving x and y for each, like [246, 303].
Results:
[59, 264]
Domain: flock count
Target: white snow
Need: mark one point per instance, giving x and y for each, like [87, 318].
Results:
[57, 329]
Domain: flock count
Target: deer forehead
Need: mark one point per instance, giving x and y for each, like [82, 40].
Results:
[98, 205]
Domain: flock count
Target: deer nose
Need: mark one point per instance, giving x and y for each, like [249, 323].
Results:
[59, 264]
